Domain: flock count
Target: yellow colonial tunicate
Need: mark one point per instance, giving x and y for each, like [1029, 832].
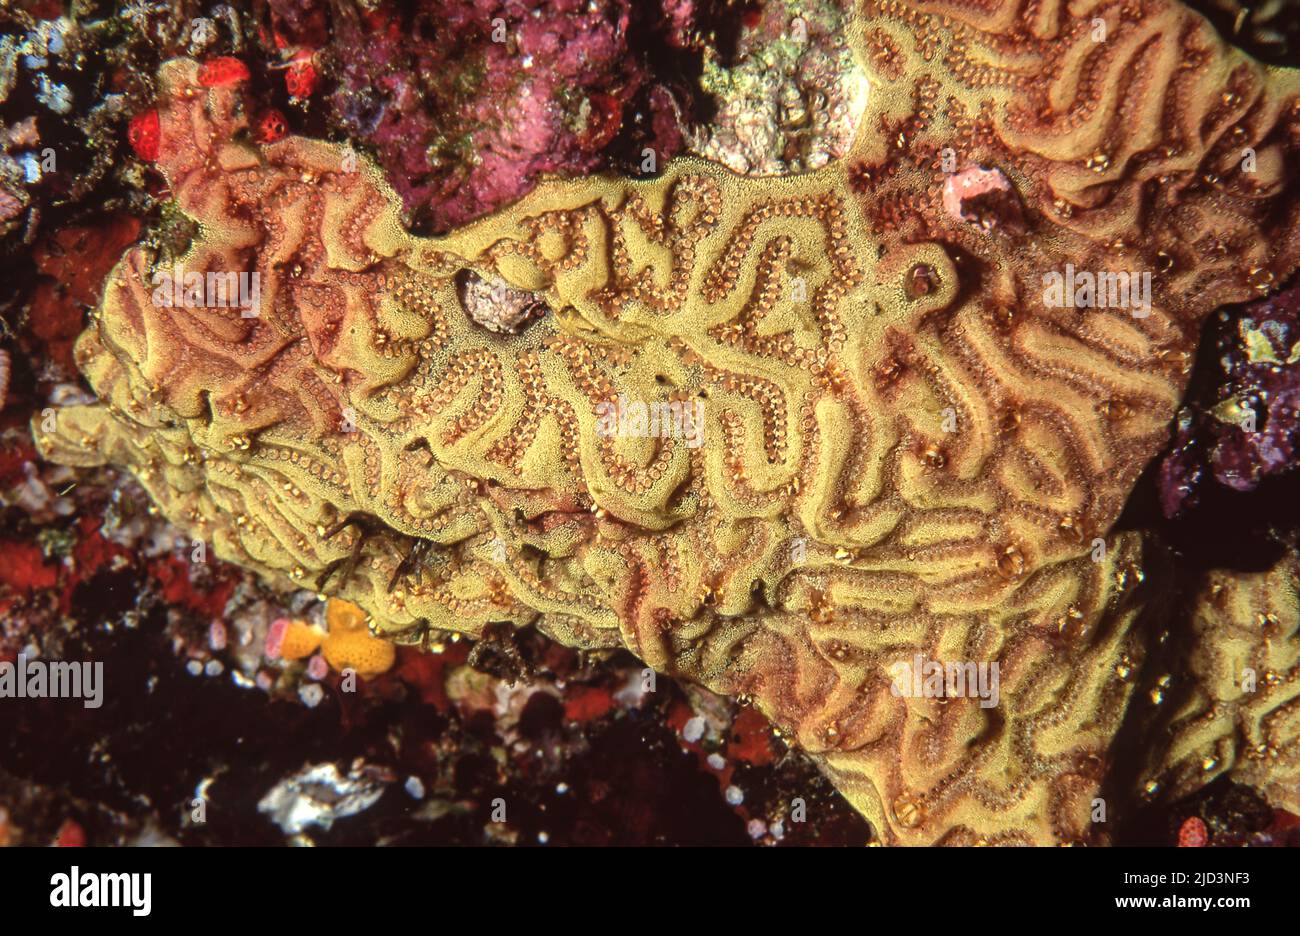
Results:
[299, 640]
[802, 439]
[349, 645]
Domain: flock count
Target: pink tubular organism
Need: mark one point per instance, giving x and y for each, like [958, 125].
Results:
[984, 197]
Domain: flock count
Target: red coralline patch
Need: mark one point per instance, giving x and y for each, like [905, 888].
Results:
[678, 716]
[1193, 833]
[10, 206]
[72, 266]
[56, 322]
[92, 551]
[587, 703]
[173, 576]
[751, 739]
[71, 835]
[24, 568]
[301, 77]
[13, 462]
[145, 135]
[271, 126]
[225, 70]
[382, 22]
[603, 122]
[1285, 820]
[426, 673]
[80, 257]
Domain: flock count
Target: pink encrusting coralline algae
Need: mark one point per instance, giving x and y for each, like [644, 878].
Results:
[463, 127]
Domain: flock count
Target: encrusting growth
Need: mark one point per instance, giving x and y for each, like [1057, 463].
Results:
[903, 449]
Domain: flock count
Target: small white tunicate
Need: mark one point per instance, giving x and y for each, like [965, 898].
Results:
[311, 694]
[717, 761]
[55, 96]
[31, 167]
[693, 730]
[214, 668]
[734, 795]
[194, 667]
[415, 787]
[55, 40]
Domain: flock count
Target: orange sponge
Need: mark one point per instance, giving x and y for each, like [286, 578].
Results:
[350, 645]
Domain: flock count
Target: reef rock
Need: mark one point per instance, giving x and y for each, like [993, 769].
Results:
[782, 436]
